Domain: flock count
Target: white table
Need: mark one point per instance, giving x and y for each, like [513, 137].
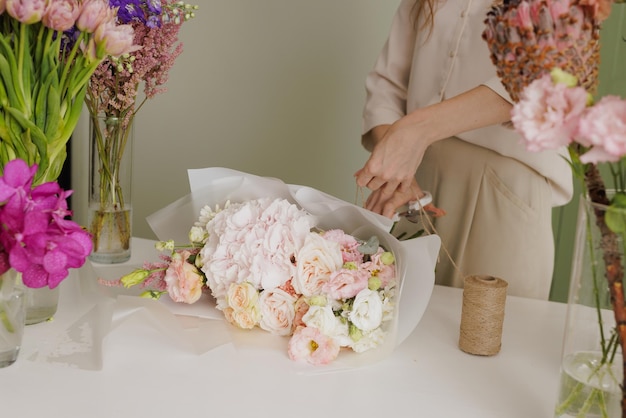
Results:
[427, 376]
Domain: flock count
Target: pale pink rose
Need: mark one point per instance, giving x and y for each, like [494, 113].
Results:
[310, 345]
[184, 281]
[277, 309]
[61, 15]
[349, 244]
[547, 114]
[367, 310]
[346, 283]
[115, 39]
[93, 14]
[603, 128]
[316, 260]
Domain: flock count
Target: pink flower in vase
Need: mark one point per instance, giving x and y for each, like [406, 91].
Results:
[61, 15]
[547, 114]
[603, 127]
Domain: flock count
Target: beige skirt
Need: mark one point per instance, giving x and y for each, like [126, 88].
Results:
[498, 221]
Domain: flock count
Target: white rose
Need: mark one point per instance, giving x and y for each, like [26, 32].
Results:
[317, 258]
[277, 311]
[367, 310]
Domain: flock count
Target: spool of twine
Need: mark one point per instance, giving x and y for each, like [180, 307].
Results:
[482, 315]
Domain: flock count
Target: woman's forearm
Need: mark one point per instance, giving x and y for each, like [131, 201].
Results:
[476, 108]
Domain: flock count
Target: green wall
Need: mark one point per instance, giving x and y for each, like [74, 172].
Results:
[612, 81]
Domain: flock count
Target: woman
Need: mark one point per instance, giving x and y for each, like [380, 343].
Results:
[435, 115]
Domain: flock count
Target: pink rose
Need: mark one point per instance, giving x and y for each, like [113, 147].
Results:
[603, 128]
[184, 281]
[61, 14]
[277, 311]
[547, 114]
[316, 260]
[345, 283]
[310, 345]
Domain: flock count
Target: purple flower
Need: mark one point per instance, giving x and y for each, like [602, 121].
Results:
[128, 10]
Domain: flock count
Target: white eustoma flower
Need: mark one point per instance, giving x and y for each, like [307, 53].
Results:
[367, 310]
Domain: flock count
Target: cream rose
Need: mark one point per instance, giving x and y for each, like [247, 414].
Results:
[277, 309]
[316, 260]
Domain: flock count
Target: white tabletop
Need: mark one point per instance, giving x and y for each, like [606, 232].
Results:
[143, 375]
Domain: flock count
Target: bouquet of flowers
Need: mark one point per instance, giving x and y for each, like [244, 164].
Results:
[48, 51]
[547, 55]
[273, 257]
[267, 267]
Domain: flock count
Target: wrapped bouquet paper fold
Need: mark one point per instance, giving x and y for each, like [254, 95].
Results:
[415, 258]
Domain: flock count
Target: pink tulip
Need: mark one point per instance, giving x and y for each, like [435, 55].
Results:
[3, 6]
[26, 11]
[61, 15]
[116, 39]
[93, 14]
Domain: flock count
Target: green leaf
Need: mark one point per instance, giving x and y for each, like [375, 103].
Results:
[369, 247]
[615, 217]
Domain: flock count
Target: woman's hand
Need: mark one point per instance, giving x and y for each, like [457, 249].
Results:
[394, 161]
[387, 206]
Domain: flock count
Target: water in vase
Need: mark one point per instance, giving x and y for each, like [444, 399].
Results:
[589, 389]
[111, 234]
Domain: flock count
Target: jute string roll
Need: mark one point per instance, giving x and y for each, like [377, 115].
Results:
[482, 315]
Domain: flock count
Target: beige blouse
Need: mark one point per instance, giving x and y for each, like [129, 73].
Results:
[414, 70]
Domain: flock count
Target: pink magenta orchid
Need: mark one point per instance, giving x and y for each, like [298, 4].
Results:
[36, 238]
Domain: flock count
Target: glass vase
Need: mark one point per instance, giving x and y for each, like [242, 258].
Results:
[591, 366]
[110, 174]
[12, 310]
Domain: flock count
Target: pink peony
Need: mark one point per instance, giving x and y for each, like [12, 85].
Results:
[603, 127]
[310, 345]
[547, 114]
[184, 281]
